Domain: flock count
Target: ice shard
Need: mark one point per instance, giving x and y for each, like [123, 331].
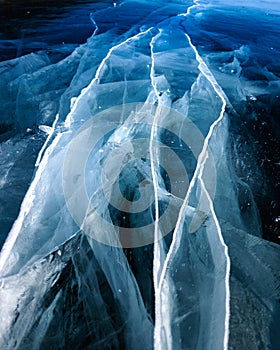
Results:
[140, 227]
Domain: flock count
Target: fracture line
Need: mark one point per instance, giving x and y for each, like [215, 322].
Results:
[30, 194]
[26, 205]
[201, 164]
[157, 256]
[94, 23]
[186, 14]
[198, 174]
[27, 202]
[40, 154]
[153, 158]
[67, 122]
[227, 274]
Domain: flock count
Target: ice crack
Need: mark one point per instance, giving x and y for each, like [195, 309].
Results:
[99, 73]
[204, 155]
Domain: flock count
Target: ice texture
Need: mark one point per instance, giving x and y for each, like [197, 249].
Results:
[139, 228]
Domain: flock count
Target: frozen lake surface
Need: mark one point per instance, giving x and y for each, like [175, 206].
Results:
[139, 174]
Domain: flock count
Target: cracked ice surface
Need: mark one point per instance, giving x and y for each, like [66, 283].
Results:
[138, 229]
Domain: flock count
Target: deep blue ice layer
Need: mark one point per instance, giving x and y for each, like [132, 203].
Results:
[28, 26]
